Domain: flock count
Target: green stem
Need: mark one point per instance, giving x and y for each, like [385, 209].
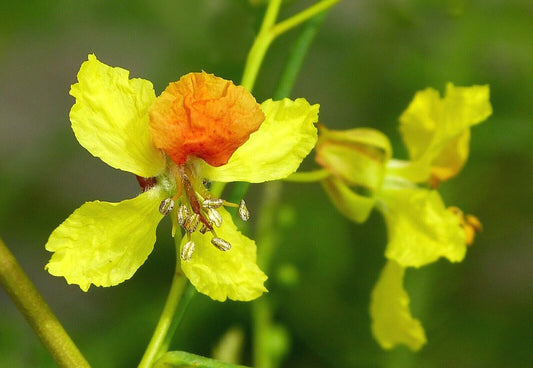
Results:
[308, 177]
[38, 314]
[188, 295]
[268, 33]
[302, 16]
[262, 311]
[262, 323]
[260, 46]
[170, 318]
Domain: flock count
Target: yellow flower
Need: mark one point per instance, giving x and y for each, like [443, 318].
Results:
[200, 128]
[420, 227]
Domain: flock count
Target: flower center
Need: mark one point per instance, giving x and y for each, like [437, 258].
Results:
[196, 209]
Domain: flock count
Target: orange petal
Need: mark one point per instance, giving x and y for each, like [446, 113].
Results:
[205, 116]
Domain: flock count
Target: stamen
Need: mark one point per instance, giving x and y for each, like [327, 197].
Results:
[474, 222]
[469, 223]
[212, 202]
[214, 217]
[166, 206]
[189, 191]
[191, 196]
[191, 223]
[183, 213]
[187, 251]
[203, 229]
[221, 244]
[244, 214]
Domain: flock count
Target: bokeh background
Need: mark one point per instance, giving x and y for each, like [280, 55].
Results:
[365, 65]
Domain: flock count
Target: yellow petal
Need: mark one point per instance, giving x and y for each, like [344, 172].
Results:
[355, 206]
[358, 156]
[392, 323]
[452, 157]
[110, 118]
[276, 149]
[419, 122]
[420, 228]
[104, 243]
[233, 274]
[436, 130]
[413, 171]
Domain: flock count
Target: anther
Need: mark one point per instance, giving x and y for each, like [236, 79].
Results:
[187, 251]
[183, 213]
[191, 223]
[474, 222]
[221, 244]
[166, 206]
[212, 202]
[244, 214]
[203, 229]
[214, 217]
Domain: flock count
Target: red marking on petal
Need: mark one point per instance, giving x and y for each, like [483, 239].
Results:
[146, 183]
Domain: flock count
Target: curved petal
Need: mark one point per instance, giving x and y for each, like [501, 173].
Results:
[204, 116]
[351, 204]
[110, 118]
[276, 149]
[420, 228]
[104, 243]
[419, 122]
[436, 130]
[392, 323]
[232, 274]
[452, 157]
[413, 171]
[466, 106]
[357, 155]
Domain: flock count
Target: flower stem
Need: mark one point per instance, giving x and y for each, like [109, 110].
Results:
[173, 311]
[268, 33]
[263, 356]
[38, 314]
[302, 16]
[260, 46]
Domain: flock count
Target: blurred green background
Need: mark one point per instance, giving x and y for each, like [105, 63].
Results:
[366, 63]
